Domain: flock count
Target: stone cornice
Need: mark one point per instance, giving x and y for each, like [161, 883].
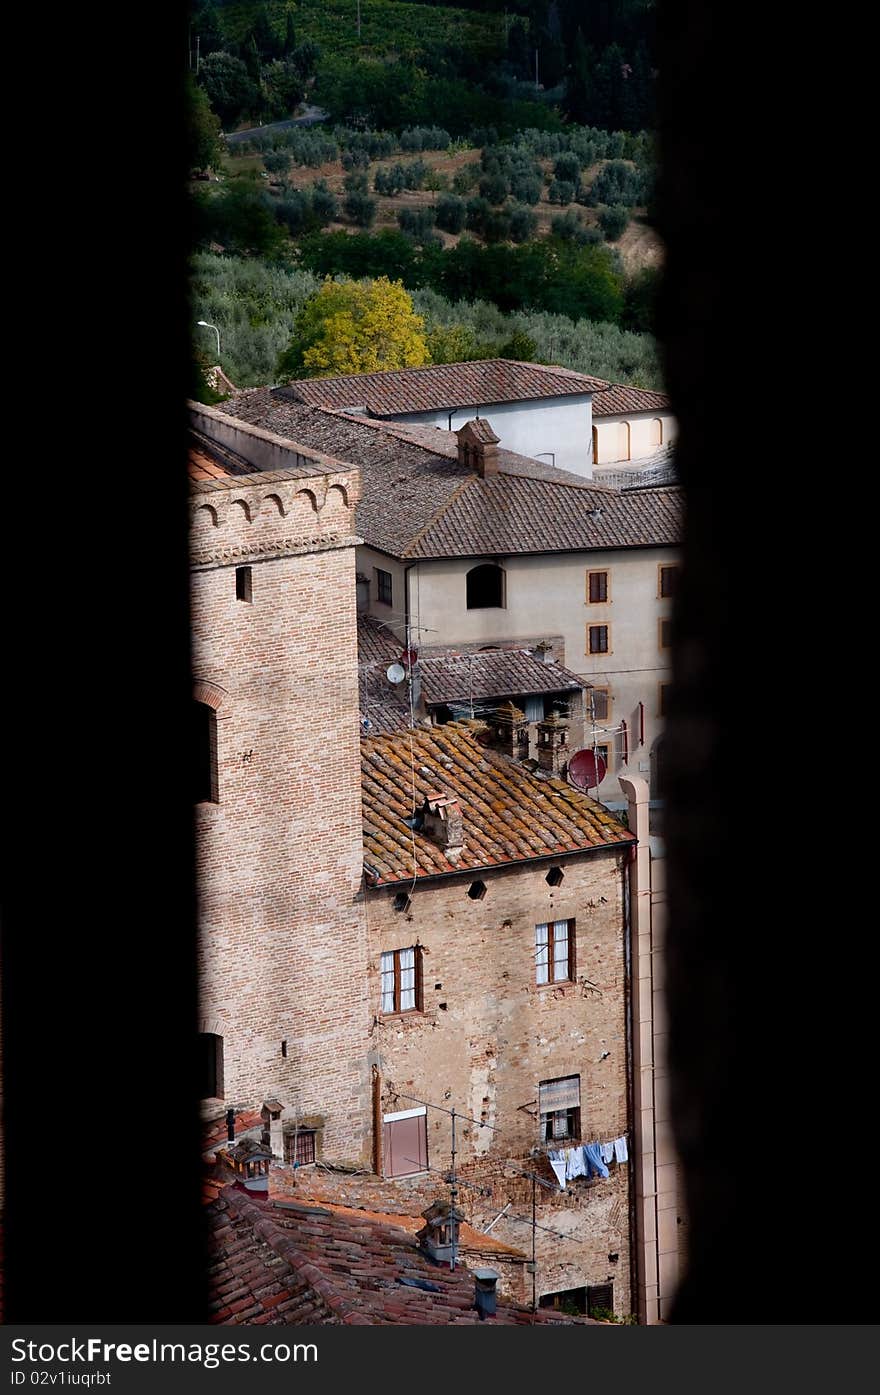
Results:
[268, 552]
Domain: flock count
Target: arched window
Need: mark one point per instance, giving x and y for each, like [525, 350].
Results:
[210, 1066]
[204, 754]
[623, 443]
[595, 445]
[657, 431]
[485, 587]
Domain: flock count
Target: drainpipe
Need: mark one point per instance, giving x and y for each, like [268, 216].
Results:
[406, 610]
[630, 1089]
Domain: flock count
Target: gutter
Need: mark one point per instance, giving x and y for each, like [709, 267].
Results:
[630, 1085]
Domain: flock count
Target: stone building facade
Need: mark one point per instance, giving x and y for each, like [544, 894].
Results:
[282, 929]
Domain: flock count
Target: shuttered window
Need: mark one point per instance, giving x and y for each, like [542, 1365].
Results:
[601, 704]
[598, 639]
[559, 1104]
[600, 1299]
[665, 628]
[668, 581]
[554, 941]
[400, 971]
[597, 587]
[383, 586]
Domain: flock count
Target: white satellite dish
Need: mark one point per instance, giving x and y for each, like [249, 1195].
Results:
[396, 673]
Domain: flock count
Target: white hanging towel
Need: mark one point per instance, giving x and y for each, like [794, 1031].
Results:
[607, 1152]
[559, 1168]
[620, 1150]
[574, 1163]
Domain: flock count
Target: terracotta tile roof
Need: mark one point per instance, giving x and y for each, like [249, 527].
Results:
[419, 502]
[509, 813]
[617, 399]
[499, 674]
[210, 461]
[214, 1130]
[288, 1263]
[376, 643]
[442, 386]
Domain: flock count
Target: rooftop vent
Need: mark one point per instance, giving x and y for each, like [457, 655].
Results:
[485, 1296]
[438, 1237]
[442, 821]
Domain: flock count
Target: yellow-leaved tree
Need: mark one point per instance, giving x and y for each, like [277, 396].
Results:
[355, 327]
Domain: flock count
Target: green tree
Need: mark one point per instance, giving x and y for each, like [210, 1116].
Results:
[231, 91]
[613, 221]
[578, 100]
[205, 147]
[283, 88]
[289, 35]
[457, 344]
[355, 327]
[519, 346]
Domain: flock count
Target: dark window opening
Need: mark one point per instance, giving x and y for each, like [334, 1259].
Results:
[597, 639]
[210, 1066]
[401, 980]
[384, 585]
[663, 699]
[204, 754]
[559, 1107]
[485, 588]
[477, 890]
[668, 581]
[600, 1300]
[598, 587]
[284, 1048]
[665, 634]
[244, 584]
[555, 876]
[402, 901]
[572, 1301]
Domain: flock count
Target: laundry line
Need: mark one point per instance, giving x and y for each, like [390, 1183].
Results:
[587, 1159]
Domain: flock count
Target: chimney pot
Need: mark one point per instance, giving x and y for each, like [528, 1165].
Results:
[485, 1296]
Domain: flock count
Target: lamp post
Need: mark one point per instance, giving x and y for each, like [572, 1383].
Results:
[205, 324]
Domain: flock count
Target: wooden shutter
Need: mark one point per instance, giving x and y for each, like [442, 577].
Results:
[599, 1296]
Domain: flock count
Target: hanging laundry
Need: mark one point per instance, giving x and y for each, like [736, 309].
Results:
[558, 1165]
[620, 1150]
[607, 1150]
[593, 1155]
[575, 1164]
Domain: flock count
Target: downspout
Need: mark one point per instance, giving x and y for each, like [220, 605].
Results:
[406, 609]
[630, 1097]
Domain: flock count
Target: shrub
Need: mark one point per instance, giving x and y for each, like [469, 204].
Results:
[494, 188]
[324, 205]
[526, 188]
[561, 191]
[436, 180]
[613, 221]
[478, 211]
[523, 223]
[567, 168]
[465, 179]
[618, 183]
[424, 138]
[360, 208]
[389, 180]
[496, 227]
[277, 161]
[568, 227]
[450, 213]
[355, 159]
[418, 222]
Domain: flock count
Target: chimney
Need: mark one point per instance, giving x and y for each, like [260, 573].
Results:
[553, 750]
[362, 592]
[271, 1117]
[485, 1297]
[478, 447]
[543, 652]
[230, 1126]
[510, 731]
[442, 820]
[438, 1237]
[250, 1161]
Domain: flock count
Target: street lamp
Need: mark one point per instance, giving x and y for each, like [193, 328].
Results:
[216, 331]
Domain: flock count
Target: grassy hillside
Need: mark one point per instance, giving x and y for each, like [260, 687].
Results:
[387, 26]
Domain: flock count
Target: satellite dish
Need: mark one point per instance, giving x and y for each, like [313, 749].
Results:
[586, 771]
[396, 673]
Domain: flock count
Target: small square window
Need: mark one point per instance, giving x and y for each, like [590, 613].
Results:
[554, 951]
[302, 1147]
[384, 587]
[555, 877]
[598, 639]
[244, 584]
[401, 980]
[597, 587]
[477, 890]
[668, 581]
[665, 634]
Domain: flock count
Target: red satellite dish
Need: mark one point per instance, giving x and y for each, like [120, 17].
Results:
[586, 771]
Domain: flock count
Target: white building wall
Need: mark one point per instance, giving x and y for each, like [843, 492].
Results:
[556, 430]
[547, 594]
[632, 437]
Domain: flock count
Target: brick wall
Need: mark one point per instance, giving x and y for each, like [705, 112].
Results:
[282, 931]
[489, 1034]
